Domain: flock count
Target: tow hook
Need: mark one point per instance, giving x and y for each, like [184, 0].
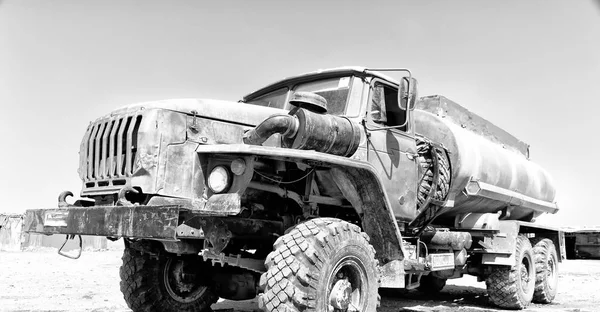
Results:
[62, 199]
[122, 193]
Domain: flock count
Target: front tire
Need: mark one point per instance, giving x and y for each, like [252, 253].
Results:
[150, 284]
[546, 267]
[513, 287]
[323, 265]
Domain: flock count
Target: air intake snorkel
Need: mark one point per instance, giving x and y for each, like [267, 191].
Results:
[308, 127]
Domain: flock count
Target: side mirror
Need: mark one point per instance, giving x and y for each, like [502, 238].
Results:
[407, 93]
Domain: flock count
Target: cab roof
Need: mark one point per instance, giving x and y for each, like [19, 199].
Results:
[321, 73]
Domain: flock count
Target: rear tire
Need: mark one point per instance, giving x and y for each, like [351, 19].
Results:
[150, 284]
[546, 268]
[321, 265]
[513, 287]
[431, 284]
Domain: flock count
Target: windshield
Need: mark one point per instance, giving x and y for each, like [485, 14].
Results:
[334, 90]
[272, 99]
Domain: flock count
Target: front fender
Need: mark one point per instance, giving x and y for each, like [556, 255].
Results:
[357, 180]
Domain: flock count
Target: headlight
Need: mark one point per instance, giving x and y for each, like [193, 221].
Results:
[219, 179]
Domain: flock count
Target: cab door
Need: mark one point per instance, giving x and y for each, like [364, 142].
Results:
[392, 151]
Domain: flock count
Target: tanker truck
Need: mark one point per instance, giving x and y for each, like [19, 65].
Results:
[311, 194]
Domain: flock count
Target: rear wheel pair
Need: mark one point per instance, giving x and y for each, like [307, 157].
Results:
[534, 276]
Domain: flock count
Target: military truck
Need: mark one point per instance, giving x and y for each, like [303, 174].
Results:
[311, 194]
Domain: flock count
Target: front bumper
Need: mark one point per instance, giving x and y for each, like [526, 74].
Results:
[157, 222]
[150, 222]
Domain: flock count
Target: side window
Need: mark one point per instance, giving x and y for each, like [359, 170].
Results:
[378, 113]
[384, 108]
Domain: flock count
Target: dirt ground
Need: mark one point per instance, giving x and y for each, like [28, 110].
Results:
[41, 280]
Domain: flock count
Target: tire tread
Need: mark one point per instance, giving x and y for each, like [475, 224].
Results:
[541, 251]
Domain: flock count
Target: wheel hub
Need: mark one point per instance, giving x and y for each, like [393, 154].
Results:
[181, 279]
[347, 287]
[341, 294]
[181, 286]
[525, 278]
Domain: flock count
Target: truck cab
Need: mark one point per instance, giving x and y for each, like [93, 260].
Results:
[369, 99]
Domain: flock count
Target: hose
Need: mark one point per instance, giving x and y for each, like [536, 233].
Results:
[286, 125]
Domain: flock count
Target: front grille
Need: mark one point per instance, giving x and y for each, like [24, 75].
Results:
[110, 147]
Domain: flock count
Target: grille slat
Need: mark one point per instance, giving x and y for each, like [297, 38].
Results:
[128, 145]
[104, 156]
[97, 144]
[113, 148]
[136, 128]
[109, 148]
[83, 154]
[90, 158]
[120, 134]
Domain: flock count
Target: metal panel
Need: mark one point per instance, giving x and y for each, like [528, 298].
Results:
[498, 259]
[500, 248]
[392, 275]
[493, 192]
[158, 222]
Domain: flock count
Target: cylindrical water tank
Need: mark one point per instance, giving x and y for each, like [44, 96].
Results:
[488, 160]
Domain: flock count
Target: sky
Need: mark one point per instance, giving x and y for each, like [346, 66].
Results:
[530, 67]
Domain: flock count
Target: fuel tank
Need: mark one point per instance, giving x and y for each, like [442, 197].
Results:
[491, 170]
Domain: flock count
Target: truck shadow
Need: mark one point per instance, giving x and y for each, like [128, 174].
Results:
[451, 298]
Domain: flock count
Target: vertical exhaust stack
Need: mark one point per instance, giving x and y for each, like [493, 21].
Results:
[308, 127]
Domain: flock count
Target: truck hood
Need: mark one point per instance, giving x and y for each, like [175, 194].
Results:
[234, 112]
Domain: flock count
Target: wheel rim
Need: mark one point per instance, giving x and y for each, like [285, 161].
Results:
[347, 286]
[527, 274]
[181, 286]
